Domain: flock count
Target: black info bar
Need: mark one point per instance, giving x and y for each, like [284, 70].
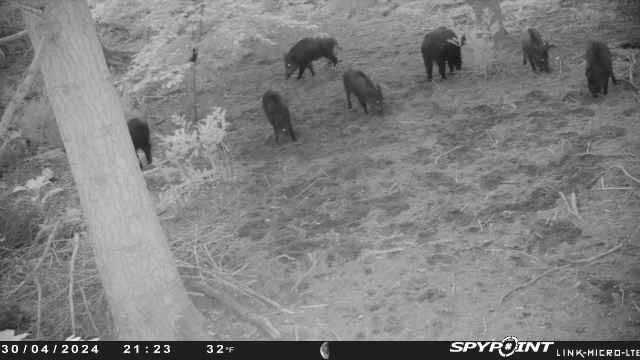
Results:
[508, 348]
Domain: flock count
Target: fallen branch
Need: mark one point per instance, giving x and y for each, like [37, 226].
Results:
[571, 263]
[258, 321]
[21, 92]
[247, 291]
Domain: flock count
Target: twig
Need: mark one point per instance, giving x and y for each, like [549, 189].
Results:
[44, 252]
[308, 186]
[34, 10]
[258, 321]
[453, 284]
[208, 253]
[15, 36]
[572, 206]
[632, 60]
[446, 153]
[38, 306]
[380, 252]
[627, 173]
[21, 91]
[314, 262]
[596, 257]
[571, 262]
[195, 249]
[88, 309]
[313, 306]
[303, 232]
[602, 187]
[50, 194]
[240, 269]
[76, 242]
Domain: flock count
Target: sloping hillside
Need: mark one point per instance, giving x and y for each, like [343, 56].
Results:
[415, 225]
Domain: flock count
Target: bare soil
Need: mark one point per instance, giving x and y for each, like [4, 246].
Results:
[414, 225]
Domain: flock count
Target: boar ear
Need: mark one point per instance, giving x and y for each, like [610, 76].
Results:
[379, 89]
[454, 41]
[463, 39]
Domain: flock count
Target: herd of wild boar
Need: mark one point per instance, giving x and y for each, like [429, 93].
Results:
[441, 46]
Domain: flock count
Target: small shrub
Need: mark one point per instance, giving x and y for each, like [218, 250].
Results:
[193, 155]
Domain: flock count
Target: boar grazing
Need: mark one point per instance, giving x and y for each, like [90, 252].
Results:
[307, 50]
[443, 47]
[358, 83]
[599, 68]
[139, 132]
[278, 115]
[535, 50]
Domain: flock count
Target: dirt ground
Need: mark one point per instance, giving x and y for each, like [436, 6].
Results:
[416, 224]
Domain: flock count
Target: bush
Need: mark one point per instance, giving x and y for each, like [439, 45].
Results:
[192, 152]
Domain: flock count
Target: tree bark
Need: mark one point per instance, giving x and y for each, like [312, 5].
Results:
[146, 295]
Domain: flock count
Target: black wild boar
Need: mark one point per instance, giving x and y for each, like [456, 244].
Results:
[599, 68]
[442, 46]
[139, 131]
[357, 82]
[307, 50]
[278, 114]
[535, 50]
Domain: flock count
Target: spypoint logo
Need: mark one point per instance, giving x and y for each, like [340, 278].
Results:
[507, 347]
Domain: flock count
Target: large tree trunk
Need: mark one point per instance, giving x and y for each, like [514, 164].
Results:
[145, 293]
